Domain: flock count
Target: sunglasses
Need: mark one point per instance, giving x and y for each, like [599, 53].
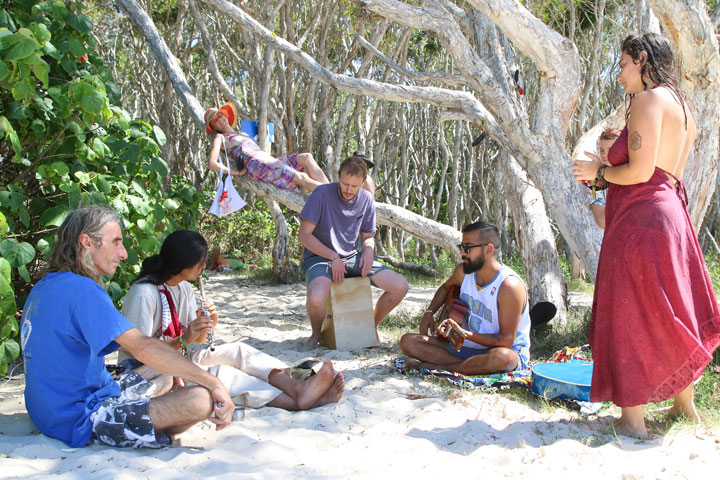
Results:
[467, 248]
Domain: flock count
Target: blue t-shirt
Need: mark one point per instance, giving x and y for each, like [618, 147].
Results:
[68, 326]
[338, 223]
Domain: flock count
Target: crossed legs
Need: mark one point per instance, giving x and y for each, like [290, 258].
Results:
[432, 352]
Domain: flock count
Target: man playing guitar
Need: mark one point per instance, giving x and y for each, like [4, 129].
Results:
[494, 335]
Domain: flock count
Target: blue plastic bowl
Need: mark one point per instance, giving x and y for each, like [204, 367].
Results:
[570, 380]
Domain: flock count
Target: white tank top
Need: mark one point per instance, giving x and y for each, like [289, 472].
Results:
[482, 316]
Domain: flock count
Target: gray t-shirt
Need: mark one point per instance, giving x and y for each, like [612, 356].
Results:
[338, 223]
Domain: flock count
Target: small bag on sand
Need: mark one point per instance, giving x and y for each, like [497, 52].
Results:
[227, 199]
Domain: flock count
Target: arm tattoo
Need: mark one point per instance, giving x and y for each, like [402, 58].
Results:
[635, 141]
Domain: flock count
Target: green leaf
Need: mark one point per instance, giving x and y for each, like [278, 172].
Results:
[41, 72]
[160, 137]
[24, 90]
[69, 187]
[18, 47]
[23, 271]
[17, 110]
[51, 51]
[76, 47]
[171, 204]
[13, 198]
[114, 290]
[6, 21]
[145, 226]
[4, 70]
[38, 126]
[103, 185]
[139, 188]
[99, 147]
[54, 216]
[80, 22]
[8, 306]
[87, 96]
[3, 224]
[83, 177]
[41, 32]
[60, 168]
[5, 277]
[43, 246]
[16, 253]
[10, 134]
[148, 244]
[24, 217]
[9, 351]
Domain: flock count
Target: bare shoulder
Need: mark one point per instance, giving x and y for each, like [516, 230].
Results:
[648, 101]
[513, 285]
[457, 277]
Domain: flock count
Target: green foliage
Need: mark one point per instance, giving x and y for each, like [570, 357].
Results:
[65, 142]
[555, 13]
[247, 234]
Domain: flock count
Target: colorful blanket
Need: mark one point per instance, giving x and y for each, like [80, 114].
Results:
[516, 379]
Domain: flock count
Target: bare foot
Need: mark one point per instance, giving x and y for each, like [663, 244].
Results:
[310, 390]
[412, 365]
[623, 427]
[310, 343]
[676, 411]
[334, 393]
[684, 404]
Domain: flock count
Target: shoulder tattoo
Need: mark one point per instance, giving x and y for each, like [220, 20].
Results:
[635, 141]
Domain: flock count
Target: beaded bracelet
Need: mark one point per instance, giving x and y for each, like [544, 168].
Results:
[183, 346]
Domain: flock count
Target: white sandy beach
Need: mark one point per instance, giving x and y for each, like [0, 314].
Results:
[387, 425]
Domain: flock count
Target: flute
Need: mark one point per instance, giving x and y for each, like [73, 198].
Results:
[204, 310]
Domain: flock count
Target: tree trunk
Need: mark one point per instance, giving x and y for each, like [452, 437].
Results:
[535, 237]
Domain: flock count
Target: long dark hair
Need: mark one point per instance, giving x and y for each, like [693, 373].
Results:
[180, 250]
[659, 65]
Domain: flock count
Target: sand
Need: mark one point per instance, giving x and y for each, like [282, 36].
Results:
[387, 425]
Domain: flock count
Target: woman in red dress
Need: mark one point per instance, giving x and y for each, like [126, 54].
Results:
[655, 320]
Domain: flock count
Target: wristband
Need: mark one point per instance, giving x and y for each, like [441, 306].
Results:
[183, 346]
[601, 173]
[335, 257]
[429, 311]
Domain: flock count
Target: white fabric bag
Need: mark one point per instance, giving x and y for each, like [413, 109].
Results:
[227, 199]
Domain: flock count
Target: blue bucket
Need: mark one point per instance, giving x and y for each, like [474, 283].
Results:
[570, 380]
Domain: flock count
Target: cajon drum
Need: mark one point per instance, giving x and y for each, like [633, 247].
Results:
[349, 321]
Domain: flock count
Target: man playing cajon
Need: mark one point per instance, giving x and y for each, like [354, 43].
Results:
[334, 217]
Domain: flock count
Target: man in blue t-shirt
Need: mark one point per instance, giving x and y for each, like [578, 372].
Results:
[69, 324]
[334, 217]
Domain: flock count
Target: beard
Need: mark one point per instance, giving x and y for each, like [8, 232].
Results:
[471, 266]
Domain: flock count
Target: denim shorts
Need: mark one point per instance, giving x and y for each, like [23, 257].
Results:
[317, 266]
[467, 352]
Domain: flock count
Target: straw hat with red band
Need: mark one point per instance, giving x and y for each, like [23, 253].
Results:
[228, 110]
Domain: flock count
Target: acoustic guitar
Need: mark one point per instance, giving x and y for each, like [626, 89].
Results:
[453, 309]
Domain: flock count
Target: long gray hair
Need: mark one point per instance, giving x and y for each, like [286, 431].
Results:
[68, 255]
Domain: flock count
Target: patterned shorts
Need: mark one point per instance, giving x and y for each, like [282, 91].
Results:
[124, 421]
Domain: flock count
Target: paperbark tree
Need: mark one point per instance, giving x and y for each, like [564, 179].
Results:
[471, 92]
